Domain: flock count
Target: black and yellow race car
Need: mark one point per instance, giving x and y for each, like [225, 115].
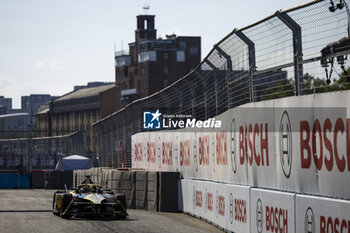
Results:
[89, 199]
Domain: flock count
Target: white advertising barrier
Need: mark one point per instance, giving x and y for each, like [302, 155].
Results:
[198, 200]
[272, 211]
[331, 129]
[167, 151]
[185, 145]
[220, 204]
[186, 195]
[324, 215]
[139, 150]
[288, 115]
[238, 208]
[255, 144]
[299, 143]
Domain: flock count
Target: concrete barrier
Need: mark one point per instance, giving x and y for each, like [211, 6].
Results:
[128, 188]
[152, 191]
[141, 189]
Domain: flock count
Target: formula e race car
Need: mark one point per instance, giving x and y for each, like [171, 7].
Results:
[89, 199]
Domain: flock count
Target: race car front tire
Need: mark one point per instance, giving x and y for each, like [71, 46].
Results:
[66, 200]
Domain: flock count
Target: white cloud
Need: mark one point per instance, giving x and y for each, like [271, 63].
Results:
[47, 63]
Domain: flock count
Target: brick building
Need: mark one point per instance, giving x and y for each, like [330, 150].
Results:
[152, 64]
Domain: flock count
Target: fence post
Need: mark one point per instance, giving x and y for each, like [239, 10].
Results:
[297, 49]
[252, 62]
[229, 71]
[216, 94]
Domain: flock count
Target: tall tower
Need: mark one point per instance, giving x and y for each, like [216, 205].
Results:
[145, 28]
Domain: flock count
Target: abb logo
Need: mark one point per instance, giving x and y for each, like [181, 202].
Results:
[151, 152]
[210, 201]
[185, 148]
[221, 148]
[203, 150]
[199, 199]
[240, 210]
[247, 144]
[319, 136]
[330, 225]
[222, 205]
[138, 151]
[276, 219]
[167, 156]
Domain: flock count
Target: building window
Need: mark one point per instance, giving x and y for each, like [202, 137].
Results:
[182, 45]
[180, 56]
[165, 70]
[165, 82]
[165, 56]
[193, 50]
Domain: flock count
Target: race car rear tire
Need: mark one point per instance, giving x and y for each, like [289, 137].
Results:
[121, 198]
[66, 200]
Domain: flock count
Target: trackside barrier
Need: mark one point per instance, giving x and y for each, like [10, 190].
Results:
[318, 214]
[152, 191]
[238, 208]
[57, 179]
[129, 188]
[141, 189]
[9, 180]
[168, 191]
[299, 144]
[37, 180]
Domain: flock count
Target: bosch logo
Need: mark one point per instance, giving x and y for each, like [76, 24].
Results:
[285, 140]
[231, 208]
[233, 145]
[309, 221]
[259, 216]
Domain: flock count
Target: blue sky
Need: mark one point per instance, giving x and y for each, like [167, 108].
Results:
[47, 46]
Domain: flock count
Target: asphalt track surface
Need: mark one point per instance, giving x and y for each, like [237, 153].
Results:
[30, 211]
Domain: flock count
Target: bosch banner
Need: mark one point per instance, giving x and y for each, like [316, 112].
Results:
[271, 211]
[299, 144]
[324, 215]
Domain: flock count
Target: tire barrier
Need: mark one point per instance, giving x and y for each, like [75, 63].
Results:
[238, 208]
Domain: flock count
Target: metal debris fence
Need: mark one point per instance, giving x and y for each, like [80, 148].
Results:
[282, 55]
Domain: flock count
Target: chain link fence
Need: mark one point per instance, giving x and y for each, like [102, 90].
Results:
[32, 153]
[298, 51]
